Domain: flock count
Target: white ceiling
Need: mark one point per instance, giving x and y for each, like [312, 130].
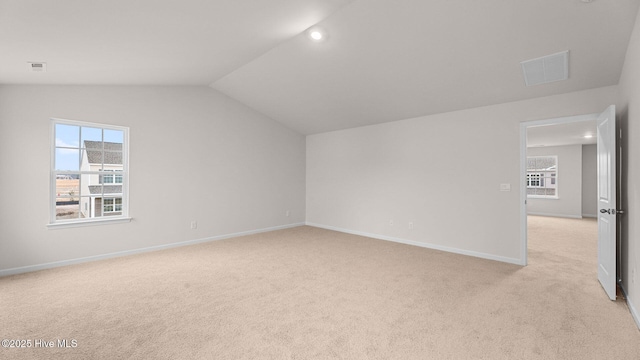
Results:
[562, 134]
[166, 42]
[383, 60]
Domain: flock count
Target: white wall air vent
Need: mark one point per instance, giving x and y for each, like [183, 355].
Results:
[37, 66]
[546, 69]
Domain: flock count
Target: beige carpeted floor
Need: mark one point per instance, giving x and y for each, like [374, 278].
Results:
[308, 293]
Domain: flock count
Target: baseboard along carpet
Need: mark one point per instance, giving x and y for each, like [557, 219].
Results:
[309, 293]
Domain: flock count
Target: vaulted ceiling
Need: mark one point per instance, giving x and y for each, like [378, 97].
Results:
[381, 61]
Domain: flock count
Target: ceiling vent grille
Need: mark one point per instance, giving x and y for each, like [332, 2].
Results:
[37, 66]
[546, 69]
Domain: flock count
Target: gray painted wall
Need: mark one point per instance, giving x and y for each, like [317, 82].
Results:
[569, 201]
[195, 154]
[589, 181]
[440, 172]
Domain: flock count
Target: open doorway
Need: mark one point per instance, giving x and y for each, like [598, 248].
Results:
[552, 183]
[561, 170]
[557, 182]
[561, 173]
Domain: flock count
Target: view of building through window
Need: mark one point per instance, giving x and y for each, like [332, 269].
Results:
[542, 176]
[88, 171]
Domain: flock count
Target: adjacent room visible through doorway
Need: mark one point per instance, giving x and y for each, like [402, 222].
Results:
[565, 245]
[561, 198]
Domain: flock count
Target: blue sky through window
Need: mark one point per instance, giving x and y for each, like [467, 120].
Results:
[70, 137]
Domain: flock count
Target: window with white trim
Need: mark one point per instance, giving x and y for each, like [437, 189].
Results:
[89, 172]
[542, 179]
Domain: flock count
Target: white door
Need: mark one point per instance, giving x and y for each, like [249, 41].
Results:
[607, 201]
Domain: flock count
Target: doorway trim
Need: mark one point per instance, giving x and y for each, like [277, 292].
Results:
[523, 170]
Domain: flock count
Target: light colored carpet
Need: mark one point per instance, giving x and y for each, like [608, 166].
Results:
[309, 293]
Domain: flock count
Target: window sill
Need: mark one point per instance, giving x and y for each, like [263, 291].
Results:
[542, 197]
[72, 224]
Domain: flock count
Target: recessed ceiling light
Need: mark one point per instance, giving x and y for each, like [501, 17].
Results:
[588, 136]
[586, 1]
[317, 34]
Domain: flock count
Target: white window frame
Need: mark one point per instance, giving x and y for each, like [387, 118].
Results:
[124, 216]
[543, 184]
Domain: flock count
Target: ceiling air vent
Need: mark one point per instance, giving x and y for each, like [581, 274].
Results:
[546, 69]
[37, 66]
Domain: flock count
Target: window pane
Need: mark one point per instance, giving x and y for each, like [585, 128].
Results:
[107, 205]
[113, 158]
[95, 190]
[107, 178]
[67, 188]
[67, 211]
[67, 159]
[90, 134]
[541, 176]
[114, 136]
[88, 171]
[88, 180]
[85, 207]
[92, 155]
[67, 135]
[67, 196]
[546, 163]
[88, 196]
[112, 206]
[112, 190]
[118, 204]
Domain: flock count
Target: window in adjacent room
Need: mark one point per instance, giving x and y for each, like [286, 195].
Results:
[542, 177]
[89, 173]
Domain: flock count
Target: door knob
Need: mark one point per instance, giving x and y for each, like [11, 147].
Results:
[612, 211]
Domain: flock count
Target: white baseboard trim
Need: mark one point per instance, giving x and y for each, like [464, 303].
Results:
[424, 245]
[555, 215]
[589, 216]
[55, 264]
[634, 312]
[632, 309]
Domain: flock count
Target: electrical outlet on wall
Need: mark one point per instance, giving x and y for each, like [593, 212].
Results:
[194, 225]
[286, 213]
[410, 225]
